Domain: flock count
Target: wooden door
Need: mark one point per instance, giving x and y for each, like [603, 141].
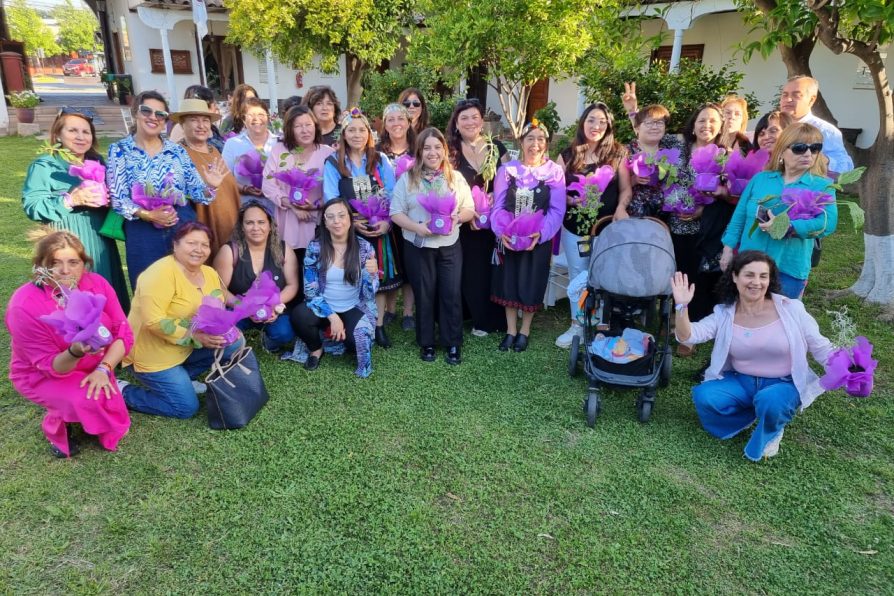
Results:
[538, 98]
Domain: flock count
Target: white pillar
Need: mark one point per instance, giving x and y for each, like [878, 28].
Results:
[169, 65]
[271, 82]
[4, 113]
[676, 50]
[164, 21]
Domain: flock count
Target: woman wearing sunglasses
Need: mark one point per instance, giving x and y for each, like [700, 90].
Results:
[412, 99]
[158, 166]
[795, 164]
[53, 196]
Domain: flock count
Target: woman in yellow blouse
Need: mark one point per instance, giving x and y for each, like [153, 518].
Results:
[166, 298]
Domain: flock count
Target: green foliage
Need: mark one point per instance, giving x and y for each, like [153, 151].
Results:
[680, 92]
[26, 25]
[382, 88]
[549, 116]
[77, 27]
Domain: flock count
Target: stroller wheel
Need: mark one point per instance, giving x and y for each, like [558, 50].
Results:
[644, 409]
[572, 357]
[593, 405]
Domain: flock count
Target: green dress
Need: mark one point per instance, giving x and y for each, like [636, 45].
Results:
[47, 180]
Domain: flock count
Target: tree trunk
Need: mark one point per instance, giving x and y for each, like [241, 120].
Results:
[876, 282]
[354, 76]
[797, 62]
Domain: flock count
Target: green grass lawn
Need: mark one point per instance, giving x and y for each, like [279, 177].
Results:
[429, 478]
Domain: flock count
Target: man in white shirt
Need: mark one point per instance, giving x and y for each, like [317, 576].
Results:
[798, 96]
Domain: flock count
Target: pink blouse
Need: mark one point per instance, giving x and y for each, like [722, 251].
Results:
[762, 351]
[294, 232]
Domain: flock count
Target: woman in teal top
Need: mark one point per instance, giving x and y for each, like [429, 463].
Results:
[53, 196]
[795, 163]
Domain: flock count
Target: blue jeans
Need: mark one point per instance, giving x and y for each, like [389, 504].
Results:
[729, 405]
[170, 392]
[274, 335]
[792, 287]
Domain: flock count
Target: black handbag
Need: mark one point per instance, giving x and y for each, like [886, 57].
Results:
[236, 391]
[817, 252]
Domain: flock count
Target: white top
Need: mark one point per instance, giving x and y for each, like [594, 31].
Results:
[340, 296]
[833, 144]
[404, 201]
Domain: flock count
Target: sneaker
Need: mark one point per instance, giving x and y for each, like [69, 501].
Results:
[479, 332]
[121, 385]
[564, 340]
[199, 388]
[772, 447]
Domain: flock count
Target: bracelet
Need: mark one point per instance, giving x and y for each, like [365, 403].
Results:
[102, 366]
[73, 355]
[681, 307]
[632, 114]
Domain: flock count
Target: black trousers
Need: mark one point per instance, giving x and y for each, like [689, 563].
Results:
[299, 256]
[436, 277]
[308, 326]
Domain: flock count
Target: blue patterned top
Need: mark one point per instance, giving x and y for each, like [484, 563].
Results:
[129, 164]
[315, 282]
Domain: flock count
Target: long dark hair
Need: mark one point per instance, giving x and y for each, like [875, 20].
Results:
[274, 244]
[288, 134]
[384, 145]
[689, 129]
[422, 123]
[454, 139]
[608, 150]
[352, 251]
[727, 291]
[373, 157]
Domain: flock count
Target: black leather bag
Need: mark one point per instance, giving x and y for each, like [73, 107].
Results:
[817, 252]
[236, 391]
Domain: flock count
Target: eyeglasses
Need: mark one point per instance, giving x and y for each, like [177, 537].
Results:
[801, 148]
[333, 217]
[654, 123]
[468, 103]
[412, 103]
[65, 110]
[146, 111]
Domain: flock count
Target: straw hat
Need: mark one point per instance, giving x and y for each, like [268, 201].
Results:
[194, 107]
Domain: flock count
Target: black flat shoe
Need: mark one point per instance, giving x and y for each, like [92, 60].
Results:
[313, 362]
[408, 323]
[73, 446]
[388, 318]
[507, 343]
[453, 356]
[521, 343]
[382, 338]
[427, 354]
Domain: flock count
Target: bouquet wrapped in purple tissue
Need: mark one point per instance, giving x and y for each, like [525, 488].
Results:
[740, 169]
[251, 167]
[149, 198]
[300, 184]
[851, 368]
[402, 164]
[803, 203]
[441, 208]
[660, 168]
[80, 319]
[93, 174]
[375, 209]
[482, 208]
[213, 318]
[679, 201]
[707, 164]
[259, 302]
[518, 231]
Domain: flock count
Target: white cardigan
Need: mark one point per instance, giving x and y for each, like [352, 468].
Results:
[801, 330]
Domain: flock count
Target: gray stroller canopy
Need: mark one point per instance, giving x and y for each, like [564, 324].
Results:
[633, 257]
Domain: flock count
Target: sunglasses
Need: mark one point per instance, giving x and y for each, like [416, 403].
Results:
[468, 103]
[412, 103]
[65, 110]
[146, 111]
[801, 148]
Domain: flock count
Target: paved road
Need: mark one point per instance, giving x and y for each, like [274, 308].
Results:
[86, 91]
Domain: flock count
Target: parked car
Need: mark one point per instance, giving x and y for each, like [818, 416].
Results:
[78, 67]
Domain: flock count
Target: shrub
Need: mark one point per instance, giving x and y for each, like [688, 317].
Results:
[23, 99]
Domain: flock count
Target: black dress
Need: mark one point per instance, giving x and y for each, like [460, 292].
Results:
[519, 281]
[478, 250]
[387, 246]
[609, 197]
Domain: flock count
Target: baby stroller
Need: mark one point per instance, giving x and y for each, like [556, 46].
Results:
[628, 287]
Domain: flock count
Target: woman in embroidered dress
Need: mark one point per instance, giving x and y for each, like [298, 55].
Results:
[53, 196]
[593, 147]
[146, 158]
[75, 383]
[434, 261]
[340, 279]
[256, 137]
[355, 172]
[301, 148]
[477, 158]
[398, 139]
[758, 368]
[195, 120]
[533, 183]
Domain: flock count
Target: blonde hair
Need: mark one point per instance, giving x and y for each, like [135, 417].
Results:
[798, 132]
[740, 101]
[415, 172]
